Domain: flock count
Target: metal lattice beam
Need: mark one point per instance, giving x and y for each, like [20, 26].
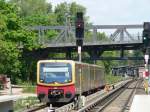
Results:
[114, 35]
[67, 35]
[135, 26]
[129, 35]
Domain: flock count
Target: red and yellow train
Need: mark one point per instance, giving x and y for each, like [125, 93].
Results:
[64, 80]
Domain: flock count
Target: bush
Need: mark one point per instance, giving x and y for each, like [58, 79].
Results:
[29, 89]
[113, 79]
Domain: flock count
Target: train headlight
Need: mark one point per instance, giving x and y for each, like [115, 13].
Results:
[68, 94]
[41, 80]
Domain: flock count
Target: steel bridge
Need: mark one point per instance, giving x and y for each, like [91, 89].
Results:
[94, 46]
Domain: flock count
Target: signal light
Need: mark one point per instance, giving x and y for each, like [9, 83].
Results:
[146, 34]
[78, 25]
[79, 28]
[146, 26]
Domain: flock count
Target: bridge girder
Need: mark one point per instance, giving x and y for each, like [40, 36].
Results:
[94, 52]
[67, 32]
[65, 42]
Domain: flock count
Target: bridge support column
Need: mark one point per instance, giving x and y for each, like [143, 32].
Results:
[68, 55]
[95, 54]
[94, 34]
[122, 52]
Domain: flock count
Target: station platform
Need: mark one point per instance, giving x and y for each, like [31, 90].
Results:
[6, 101]
[141, 103]
[5, 98]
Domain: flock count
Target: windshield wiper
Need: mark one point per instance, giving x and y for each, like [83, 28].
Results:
[52, 82]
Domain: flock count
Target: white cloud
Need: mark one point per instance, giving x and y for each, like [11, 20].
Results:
[114, 11]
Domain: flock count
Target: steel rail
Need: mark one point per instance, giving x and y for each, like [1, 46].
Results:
[71, 106]
[95, 102]
[131, 96]
[65, 108]
[35, 108]
[126, 103]
[112, 97]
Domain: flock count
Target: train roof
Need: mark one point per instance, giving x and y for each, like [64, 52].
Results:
[87, 64]
[69, 61]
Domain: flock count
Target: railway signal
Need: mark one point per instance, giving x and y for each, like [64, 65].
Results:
[146, 34]
[79, 29]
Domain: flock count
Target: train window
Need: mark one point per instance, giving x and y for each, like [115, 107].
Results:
[55, 73]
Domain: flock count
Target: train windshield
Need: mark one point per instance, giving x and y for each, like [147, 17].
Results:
[55, 73]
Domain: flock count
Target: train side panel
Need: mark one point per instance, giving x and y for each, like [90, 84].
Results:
[92, 77]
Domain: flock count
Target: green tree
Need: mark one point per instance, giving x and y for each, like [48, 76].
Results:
[11, 34]
[65, 9]
[32, 13]
[15, 15]
[108, 64]
[31, 7]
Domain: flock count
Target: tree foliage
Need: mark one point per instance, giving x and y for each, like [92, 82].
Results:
[64, 9]
[16, 15]
[11, 34]
[31, 7]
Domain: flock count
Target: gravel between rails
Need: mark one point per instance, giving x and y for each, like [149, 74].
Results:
[123, 102]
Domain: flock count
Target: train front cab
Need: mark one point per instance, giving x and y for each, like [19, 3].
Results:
[55, 81]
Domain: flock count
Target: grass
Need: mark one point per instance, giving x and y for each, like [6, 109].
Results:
[29, 89]
[21, 104]
[113, 79]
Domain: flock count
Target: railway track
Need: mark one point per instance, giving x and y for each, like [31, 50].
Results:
[92, 101]
[118, 101]
[46, 108]
[121, 103]
[35, 108]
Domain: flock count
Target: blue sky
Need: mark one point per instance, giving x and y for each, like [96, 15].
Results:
[114, 11]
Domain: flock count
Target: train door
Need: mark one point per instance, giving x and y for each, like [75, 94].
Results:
[92, 76]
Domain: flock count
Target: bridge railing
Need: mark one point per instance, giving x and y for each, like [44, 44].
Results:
[88, 41]
[66, 34]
